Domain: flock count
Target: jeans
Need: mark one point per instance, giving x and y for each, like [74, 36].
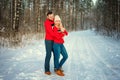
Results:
[59, 49]
[49, 50]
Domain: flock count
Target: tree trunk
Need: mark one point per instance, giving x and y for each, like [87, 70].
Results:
[16, 13]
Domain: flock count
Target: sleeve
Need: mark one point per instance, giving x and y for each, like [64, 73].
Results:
[65, 32]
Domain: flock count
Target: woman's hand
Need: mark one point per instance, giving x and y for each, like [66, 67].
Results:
[62, 28]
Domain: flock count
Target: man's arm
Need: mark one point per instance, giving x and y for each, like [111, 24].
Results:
[49, 29]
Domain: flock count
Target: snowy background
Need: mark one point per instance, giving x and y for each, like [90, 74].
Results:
[91, 57]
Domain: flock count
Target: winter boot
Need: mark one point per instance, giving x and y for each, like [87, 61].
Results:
[59, 72]
[48, 73]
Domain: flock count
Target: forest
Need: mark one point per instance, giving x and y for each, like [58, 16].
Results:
[22, 19]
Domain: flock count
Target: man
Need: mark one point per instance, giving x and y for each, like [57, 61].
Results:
[48, 24]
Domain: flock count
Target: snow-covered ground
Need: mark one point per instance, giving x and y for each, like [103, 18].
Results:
[91, 57]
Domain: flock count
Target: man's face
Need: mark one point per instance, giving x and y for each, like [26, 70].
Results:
[50, 16]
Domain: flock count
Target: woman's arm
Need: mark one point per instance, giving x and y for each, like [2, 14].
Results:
[57, 34]
[63, 30]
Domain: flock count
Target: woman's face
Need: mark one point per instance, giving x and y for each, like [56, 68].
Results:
[57, 22]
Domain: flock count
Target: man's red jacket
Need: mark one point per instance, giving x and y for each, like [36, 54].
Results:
[48, 29]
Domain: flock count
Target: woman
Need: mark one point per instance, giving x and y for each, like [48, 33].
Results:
[58, 46]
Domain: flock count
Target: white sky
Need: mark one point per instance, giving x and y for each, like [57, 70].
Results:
[94, 1]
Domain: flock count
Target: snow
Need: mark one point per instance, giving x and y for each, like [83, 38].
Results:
[91, 57]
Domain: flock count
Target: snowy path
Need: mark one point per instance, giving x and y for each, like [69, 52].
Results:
[91, 57]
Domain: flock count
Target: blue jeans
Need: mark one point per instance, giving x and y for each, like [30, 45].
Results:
[49, 50]
[59, 48]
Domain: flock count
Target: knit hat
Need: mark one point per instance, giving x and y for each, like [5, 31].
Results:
[57, 18]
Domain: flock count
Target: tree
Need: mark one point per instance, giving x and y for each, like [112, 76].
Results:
[109, 17]
[16, 7]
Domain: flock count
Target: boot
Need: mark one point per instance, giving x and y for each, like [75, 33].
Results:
[48, 73]
[59, 72]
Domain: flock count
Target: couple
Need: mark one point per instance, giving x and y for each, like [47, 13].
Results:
[54, 43]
